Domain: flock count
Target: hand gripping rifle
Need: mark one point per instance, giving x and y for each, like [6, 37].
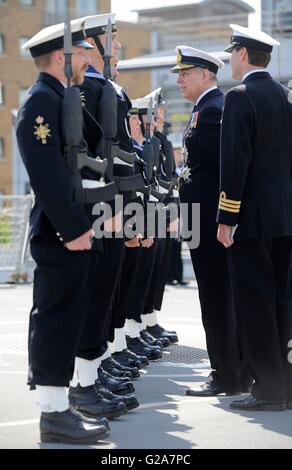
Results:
[108, 104]
[108, 114]
[166, 174]
[168, 149]
[75, 148]
[148, 157]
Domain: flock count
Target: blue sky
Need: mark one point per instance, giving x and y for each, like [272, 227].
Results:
[123, 7]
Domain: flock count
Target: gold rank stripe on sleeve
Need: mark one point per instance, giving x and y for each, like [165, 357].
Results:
[228, 205]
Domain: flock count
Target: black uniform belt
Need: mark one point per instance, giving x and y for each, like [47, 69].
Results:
[95, 195]
[130, 183]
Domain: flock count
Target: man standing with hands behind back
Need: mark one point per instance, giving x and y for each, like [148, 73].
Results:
[256, 196]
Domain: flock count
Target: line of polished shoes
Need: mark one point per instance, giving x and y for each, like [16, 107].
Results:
[112, 395]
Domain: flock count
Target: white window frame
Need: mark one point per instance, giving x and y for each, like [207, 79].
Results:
[24, 54]
[2, 149]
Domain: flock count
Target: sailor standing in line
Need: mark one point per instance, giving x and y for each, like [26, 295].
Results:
[60, 239]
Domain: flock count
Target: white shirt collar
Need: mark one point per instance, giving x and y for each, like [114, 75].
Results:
[205, 93]
[253, 71]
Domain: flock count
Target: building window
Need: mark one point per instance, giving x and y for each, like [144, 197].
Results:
[87, 7]
[1, 148]
[2, 98]
[27, 3]
[23, 53]
[122, 53]
[283, 18]
[2, 44]
[22, 92]
[55, 11]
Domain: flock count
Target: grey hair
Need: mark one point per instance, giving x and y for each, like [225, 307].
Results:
[212, 75]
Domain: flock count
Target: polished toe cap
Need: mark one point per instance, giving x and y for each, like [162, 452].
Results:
[253, 404]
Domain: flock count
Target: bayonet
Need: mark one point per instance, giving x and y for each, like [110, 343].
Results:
[148, 120]
[68, 50]
[108, 51]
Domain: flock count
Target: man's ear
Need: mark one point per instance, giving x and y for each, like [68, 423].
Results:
[206, 75]
[102, 39]
[58, 56]
[91, 41]
[243, 54]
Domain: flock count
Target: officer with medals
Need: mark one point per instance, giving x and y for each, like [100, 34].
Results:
[60, 238]
[256, 204]
[197, 79]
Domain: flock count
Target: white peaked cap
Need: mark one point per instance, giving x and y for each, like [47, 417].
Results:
[251, 38]
[96, 24]
[189, 57]
[140, 105]
[52, 38]
[157, 96]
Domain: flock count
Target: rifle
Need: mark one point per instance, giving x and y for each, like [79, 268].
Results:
[108, 104]
[75, 148]
[148, 151]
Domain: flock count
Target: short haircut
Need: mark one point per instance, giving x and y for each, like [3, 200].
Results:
[212, 75]
[43, 61]
[258, 58]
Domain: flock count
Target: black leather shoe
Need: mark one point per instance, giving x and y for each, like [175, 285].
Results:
[130, 401]
[209, 390]
[138, 346]
[109, 367]
[289, 405]
[149, 339]
[158, 332]
[143, 359]
[134, 371]
[118, 386]
[253, 404]
[89, 403]
[126, 358]
[99, 421]
[67, 428]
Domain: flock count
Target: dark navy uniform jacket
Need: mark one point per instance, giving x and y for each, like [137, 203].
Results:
[256, 159]
[92, 89]
[203, 146]
[39, 135]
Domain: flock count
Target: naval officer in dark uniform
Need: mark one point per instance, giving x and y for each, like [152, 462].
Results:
[256, 197]
[60, 238]
[197, 80]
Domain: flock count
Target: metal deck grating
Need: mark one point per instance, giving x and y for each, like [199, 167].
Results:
[177, 353]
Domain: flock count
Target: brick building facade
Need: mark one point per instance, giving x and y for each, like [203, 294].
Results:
[20, 20]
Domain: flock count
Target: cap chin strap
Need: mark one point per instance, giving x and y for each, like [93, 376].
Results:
[99, 45]
[143, 130]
